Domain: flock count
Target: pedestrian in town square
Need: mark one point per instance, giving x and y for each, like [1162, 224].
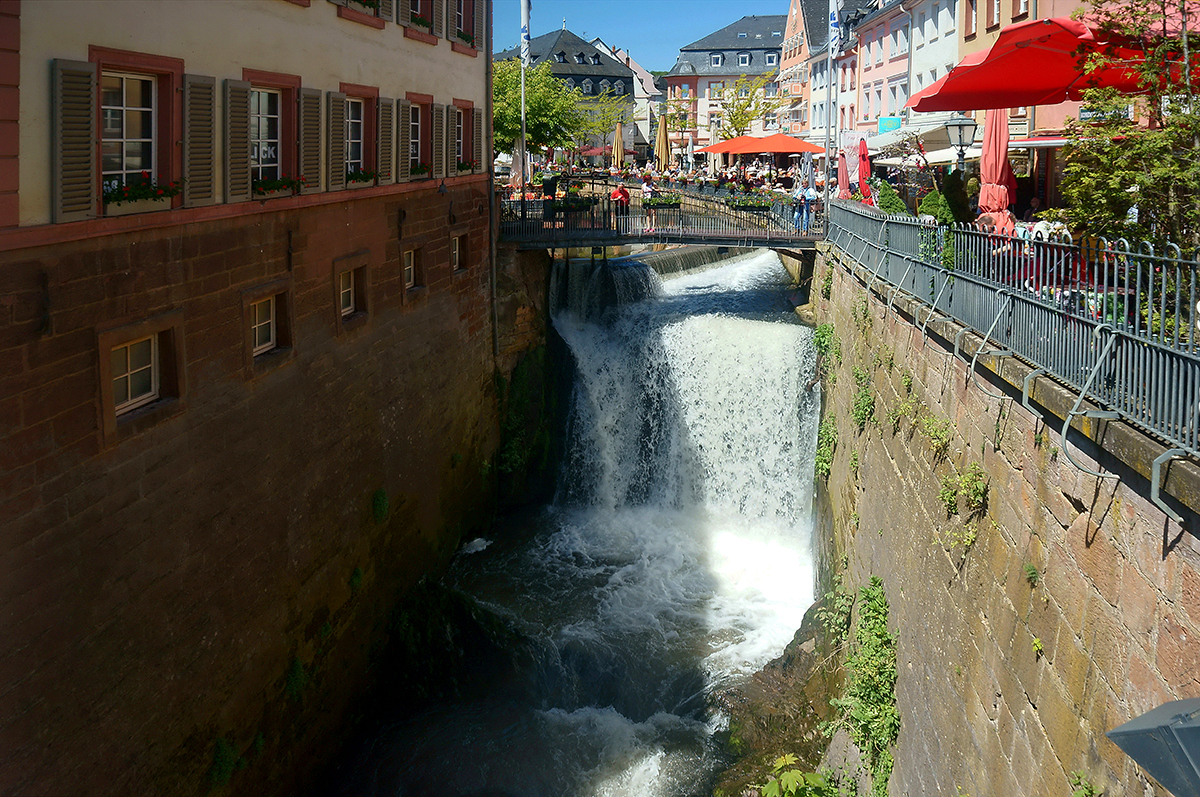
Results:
[649, 192]
[800, 209]
[620, 197]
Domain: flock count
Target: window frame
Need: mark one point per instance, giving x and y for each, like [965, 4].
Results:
[369, 96]
[357, 265]
[170, 362]
[361, 161]
[124, 110]
[743, 59]
[715, 59]
[772, 59]
[259, 359]
[256, 143]
[288, 87]
[142, 399]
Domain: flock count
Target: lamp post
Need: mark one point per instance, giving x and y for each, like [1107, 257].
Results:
[962, 134]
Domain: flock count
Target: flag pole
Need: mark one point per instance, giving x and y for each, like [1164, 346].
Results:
[829, 115]
[524, 63]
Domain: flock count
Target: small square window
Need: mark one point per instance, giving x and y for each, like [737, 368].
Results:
[410, 268]
[743, 59]
[142, 374]
[346, 298]
[458, 253]
[351, 289]
[262, 329]
[135, 374]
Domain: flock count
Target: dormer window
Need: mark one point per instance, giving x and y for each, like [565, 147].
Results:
[743, 59]
[716, 59]
[579, 58]
[560, 57]
[587, 86]
[741, 35]
[595, 60]
[619, 88]
[772, 59]
[776, 33]
[605, 87]
[570, 84]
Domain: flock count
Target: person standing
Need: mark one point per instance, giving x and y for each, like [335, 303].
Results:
[648, 192]
[1035, 205]
[800, 208]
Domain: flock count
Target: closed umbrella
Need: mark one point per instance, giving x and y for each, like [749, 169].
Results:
[662, 150]
[691, 151]
[864, 171]
[618, 147]
[997, 183]
[810, 174]
[843, 176]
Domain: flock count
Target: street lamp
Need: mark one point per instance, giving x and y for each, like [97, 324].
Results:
[962, 134]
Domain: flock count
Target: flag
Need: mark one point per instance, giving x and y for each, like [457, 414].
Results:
[525, 32]
[834, 34]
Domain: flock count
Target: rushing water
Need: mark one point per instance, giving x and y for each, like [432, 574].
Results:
[675, 559]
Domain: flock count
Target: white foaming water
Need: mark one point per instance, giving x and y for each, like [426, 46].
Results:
[676, 559]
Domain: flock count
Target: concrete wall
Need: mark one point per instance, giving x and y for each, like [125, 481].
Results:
[223, 569]
[1116, 605]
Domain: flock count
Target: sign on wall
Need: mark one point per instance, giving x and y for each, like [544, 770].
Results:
[887, 123]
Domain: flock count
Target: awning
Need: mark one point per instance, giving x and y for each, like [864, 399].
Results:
[931, 136]
[939, 157]
[1033, 63]
[1037, 142]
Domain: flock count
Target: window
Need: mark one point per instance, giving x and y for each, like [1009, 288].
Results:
[715, 90]
[714, 121]
[579, 58]
[743, 59]
[457, 253]
[901, 41]
[605, 87]
[346, 298]
[262, 326]
[771, 90]
[460, 15]
[993, 13]
[879, 49]
[741, 35]
[127, 126]
[587, 86]
[714, 59]
[135, 374]
[414, 138]
[265, 127]
[772, 59]
[970, 14]
[410, 268]
[570, 84]
[354, 135]
[1020, 8]
[560, 57]
[619, 87]
[771, 121]
[935, 23]
[595, 60]
[458, 136]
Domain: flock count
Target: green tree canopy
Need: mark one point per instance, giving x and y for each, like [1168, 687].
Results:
[745, 103]
[600, 117]
[554, 115]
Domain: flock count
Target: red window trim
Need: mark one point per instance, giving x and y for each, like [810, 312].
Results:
[418, 99]
[289, 87]
[350, 15]
[459, 47]
[169, 72]
[464, 105]
[420, 35]
[304, 3]
[369, 95]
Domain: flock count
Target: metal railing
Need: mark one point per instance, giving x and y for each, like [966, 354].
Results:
[1117, 324]
[699, 217]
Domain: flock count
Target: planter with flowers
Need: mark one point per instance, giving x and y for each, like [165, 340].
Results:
[465, 38]
[467, 166]
[361, 178]
[662, 201]
[421, 22]
[752, 203]
[143, 195]
[420, 170]
[281, 186]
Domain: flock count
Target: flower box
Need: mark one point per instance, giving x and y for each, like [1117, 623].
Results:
[275, 194]
[137, 206]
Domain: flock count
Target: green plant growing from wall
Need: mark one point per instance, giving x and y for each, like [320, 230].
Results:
[834, 612]
[862, 408]
[1080, 785]
[906, 379]
[827, 283]
[225, 762]
[905, 409]
[355, 580]
[939, 431]
[964, 537]
[948, 495]
[1038, 650]
[854, 464]
[787, 781]
[826, 342]
[826, 444]
[1031, 574]
[854, 520]
[973, 488]
[861, 313]
[868, 709]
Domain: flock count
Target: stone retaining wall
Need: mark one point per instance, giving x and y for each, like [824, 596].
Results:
[1067, 606]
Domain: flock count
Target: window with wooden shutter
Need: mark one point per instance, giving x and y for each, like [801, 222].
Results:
[386, 141]
[439, 141]
[309, 119]
[387, 10]
[404, 12]
[335, 140]
[477, 154]
[199, 140]
[237, 141]
[480, 12]
[439, 18]
[75, 187]
[403, 140]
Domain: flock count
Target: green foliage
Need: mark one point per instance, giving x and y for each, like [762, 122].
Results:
[854, 464]
[825, 341]
[790, 782]
[827, 283]
[826, 444]
[296, 680]
[939, 431]
[889, 201]
[948, 495]
[973, 488]
[964, 536]
[225, 761]
[862, 408]
[862, 313]
[868, 710]
[746, 102]
[553, 115]
[935, 205]
[379, 505]
[906, 379]
[1038, 649]
[355, 580]
[834, 612]
[904, 409]
[1031, 574]
[954, 195]
[1080, 785]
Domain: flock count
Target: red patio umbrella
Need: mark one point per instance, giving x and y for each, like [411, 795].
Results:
[864, 171]
[843, 176]
[997, 183]
[1033, 63]
[770, 145]
[722, 146]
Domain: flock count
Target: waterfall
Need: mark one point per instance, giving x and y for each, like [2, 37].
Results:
[675, 559]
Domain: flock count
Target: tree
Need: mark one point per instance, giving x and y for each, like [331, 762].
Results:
[1137, 175]
[745, 103]
[601, 115]
[554, 115]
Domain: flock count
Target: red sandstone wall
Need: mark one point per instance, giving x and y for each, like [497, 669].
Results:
[220, 570]
[1114, 607]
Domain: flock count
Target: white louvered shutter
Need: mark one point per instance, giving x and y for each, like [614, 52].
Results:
[237, 141]
[335, 142]
[439, 141]
[75, 178]
[439, 18]
[480, 31]
[477, 140]
[199, 140]
[403, 139]
[309, 139]
[385, 156]
[387, 10]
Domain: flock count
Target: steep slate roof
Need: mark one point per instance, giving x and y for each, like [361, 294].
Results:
[816, 21]
[758, 40]
[544, 48]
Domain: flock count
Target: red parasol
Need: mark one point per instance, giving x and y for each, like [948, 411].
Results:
[843, 177]
[722, 146]
[864, 171]
[997, 183]
[1033, 63]
[775, 144]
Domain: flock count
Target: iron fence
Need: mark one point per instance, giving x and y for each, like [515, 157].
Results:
[1116, 323]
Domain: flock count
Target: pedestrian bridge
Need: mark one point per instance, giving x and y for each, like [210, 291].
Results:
[695, 219]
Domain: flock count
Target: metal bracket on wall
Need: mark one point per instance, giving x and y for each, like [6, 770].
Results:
[933, 308]
[1104, 414]
[992, 352]
[1029, 377]
[896, 290]
[1156, 478]
[883, 254]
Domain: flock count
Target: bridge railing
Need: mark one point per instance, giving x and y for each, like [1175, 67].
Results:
[696, 217]
[1116, 323]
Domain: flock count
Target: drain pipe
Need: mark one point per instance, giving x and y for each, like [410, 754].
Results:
[493, 231]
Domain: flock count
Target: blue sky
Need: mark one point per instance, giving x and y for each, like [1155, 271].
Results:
[651, 30]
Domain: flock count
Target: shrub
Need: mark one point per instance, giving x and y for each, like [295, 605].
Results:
[889, 201]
